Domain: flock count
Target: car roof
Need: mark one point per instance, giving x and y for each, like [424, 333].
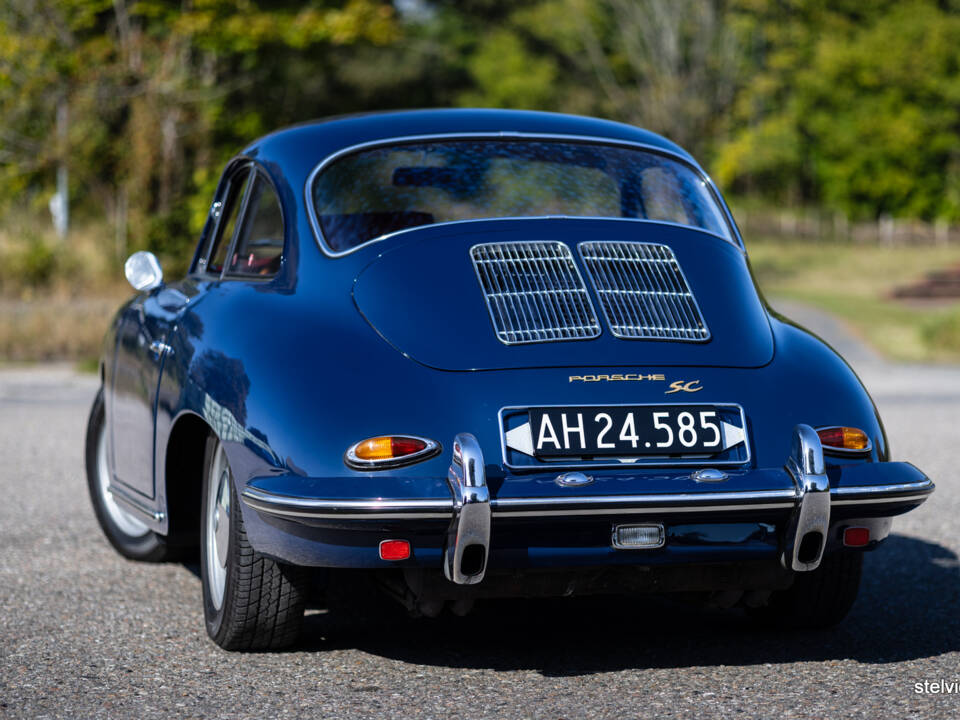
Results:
[300, 148]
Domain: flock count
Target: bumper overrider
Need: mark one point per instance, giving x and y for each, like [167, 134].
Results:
[812, 507]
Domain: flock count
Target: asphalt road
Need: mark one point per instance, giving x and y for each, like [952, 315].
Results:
[85, 633]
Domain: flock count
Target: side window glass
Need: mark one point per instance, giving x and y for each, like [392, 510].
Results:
[228, 222]
[259, 245]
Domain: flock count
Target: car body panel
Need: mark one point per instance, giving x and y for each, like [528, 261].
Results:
[394, 337]
[424, 272]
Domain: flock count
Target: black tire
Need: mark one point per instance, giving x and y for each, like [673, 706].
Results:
[262, 602]
[817, 599]
[125, 532]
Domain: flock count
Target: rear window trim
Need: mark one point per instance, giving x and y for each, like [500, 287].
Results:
[734, 238]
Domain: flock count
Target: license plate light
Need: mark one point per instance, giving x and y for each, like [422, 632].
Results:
[638, 537]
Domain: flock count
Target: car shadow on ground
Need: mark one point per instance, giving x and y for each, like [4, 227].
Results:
[907, 609]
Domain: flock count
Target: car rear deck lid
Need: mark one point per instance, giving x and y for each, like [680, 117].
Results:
[426, 297]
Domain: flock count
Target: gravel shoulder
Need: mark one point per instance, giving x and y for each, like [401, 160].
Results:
[85, 633]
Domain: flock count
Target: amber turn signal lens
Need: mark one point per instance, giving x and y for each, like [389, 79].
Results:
[389, 451]
[378, 448]
[388, 447]
[844, 438]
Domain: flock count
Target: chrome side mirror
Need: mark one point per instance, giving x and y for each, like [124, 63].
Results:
[143, 271]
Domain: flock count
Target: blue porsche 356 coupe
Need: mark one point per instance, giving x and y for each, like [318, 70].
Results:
[474, 354]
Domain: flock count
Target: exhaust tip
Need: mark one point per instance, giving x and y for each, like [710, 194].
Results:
[811, 546]
[473, 559]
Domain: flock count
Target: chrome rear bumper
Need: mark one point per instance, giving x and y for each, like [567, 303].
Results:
[468, 537]
[469, 513]
[806, 536]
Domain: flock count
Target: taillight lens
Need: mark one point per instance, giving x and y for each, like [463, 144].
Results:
[844, 438]
[388, 451]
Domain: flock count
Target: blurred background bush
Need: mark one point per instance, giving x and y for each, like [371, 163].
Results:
[833, 126]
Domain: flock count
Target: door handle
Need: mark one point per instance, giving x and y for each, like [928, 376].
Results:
[158, 348]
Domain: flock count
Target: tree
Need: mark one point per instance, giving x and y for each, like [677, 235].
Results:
[851, 105]
[160, 94]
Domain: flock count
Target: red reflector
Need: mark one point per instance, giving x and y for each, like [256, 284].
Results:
[394, 550]
[402, 446]
[856, 536]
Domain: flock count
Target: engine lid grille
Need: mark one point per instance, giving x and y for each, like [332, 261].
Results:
[643, 292]
[534, 292]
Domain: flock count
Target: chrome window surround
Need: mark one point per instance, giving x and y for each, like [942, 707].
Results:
[643, 292]
[353, 462]
[733, 238]
[202, 253]
[534, 292]
[651, 461]
[217, 213]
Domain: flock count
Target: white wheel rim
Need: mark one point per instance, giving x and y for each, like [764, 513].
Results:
[218, 525]
[125, 522]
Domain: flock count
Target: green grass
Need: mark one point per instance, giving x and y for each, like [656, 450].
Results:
[56, 299]
[855, 282]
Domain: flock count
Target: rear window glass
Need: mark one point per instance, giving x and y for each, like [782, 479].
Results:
[370, 193]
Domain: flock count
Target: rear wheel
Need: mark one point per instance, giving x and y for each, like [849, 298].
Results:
[817, 599]
[250, 602]
[125, 531]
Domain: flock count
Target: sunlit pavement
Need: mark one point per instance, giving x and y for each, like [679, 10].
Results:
[86, 633]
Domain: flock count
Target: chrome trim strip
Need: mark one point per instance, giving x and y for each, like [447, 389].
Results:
[136, 505]
[351, 516]
[734, 497]
[734, 238]
[373, 509]
[426, 508]
[888, 500]
[926, 486]
[653, 462]
[644, 221]
[652, 510]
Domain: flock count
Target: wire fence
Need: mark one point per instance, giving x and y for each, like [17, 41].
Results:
[817, 225]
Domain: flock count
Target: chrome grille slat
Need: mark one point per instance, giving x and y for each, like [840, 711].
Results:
[534, 292]
[643, 292]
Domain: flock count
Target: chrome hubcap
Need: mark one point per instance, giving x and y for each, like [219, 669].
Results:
[125, 522]
[218, 526]
[221, 518]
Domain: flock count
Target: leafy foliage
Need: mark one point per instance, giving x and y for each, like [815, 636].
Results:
[854, 106]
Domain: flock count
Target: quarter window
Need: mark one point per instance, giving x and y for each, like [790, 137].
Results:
[228, 221]
[259, 245]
